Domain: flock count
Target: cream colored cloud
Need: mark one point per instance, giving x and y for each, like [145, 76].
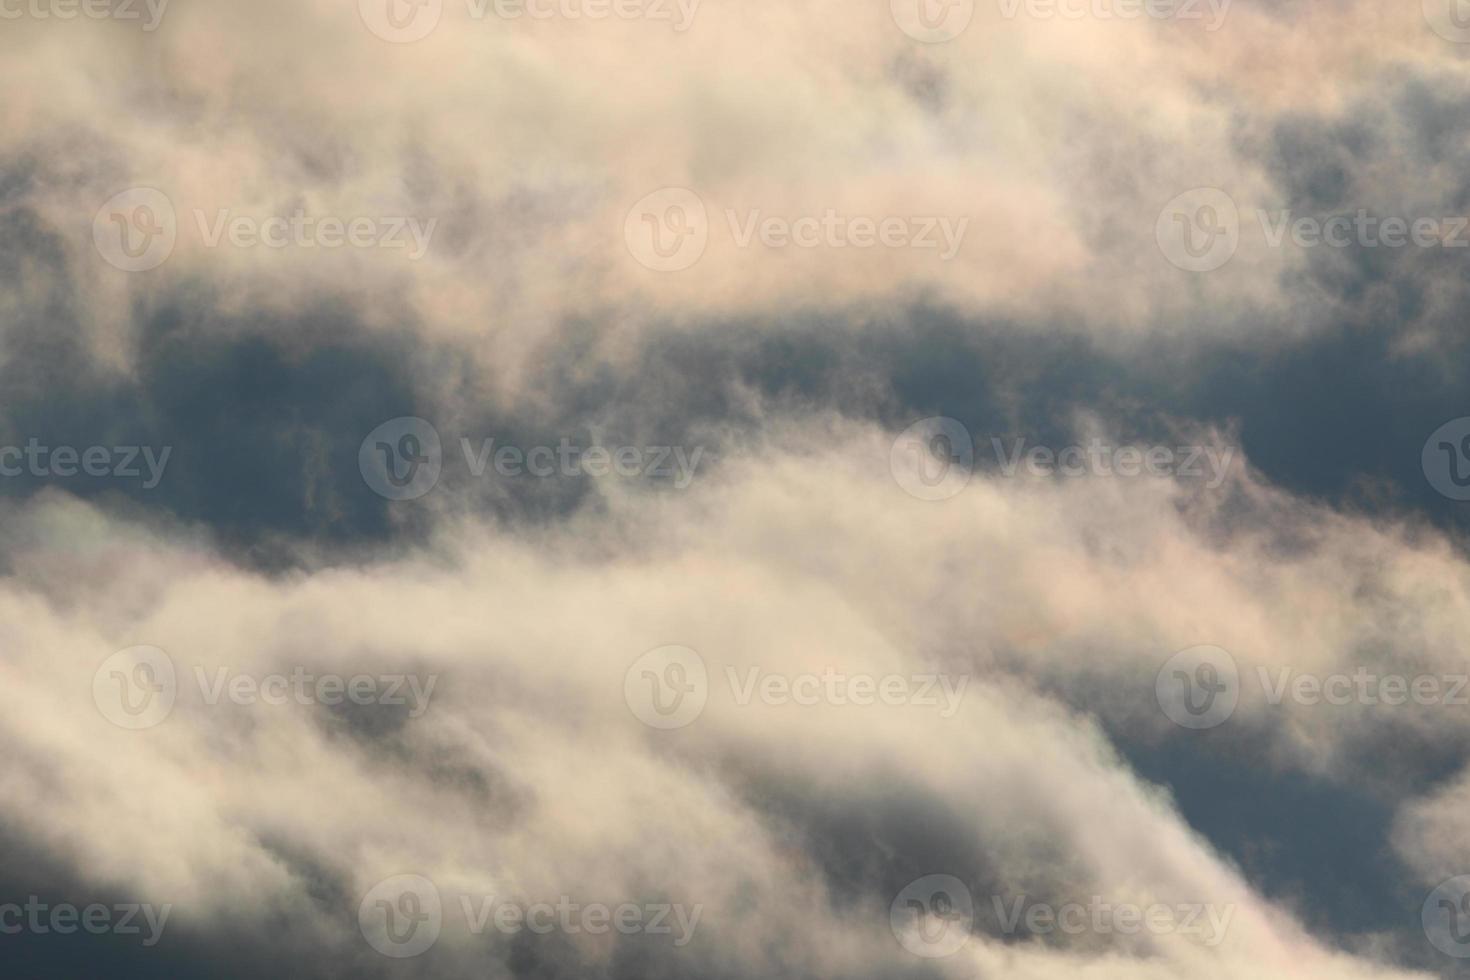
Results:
[529, 775]
[1057, 141]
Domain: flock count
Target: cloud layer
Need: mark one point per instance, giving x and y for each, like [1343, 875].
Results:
[935, 403]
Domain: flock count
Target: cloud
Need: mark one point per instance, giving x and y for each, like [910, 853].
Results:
[793, 826]
[764, 239]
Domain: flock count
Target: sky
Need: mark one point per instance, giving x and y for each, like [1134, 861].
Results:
[634, 489]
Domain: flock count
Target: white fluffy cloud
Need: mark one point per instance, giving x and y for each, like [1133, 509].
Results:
[1058, 141]
[529, 777]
